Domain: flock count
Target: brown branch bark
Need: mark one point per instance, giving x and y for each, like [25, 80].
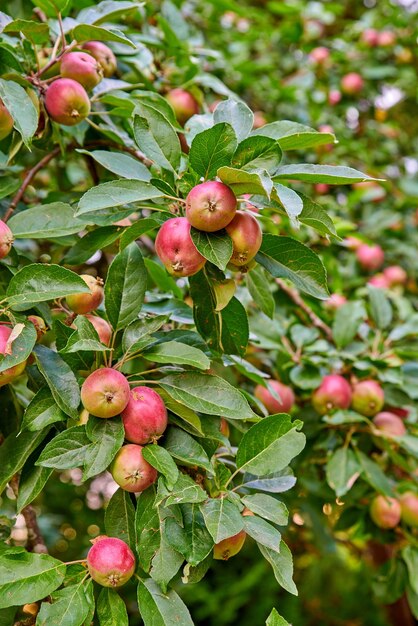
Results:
[27, 179]
[35, 542]
[315, 320]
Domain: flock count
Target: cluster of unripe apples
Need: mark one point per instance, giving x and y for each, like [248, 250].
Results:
[210, 207]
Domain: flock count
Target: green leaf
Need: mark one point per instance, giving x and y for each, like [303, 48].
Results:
[45, 221]
[270, 445]
[67, 450]
[116, 193]
[107, 438]
[381, 309]
[51, 7]
[315, 216]
[163, 462]
[284, 257]
[207, 394]
[347, 321]
[90, 243]
[185, 448]
[69, 606]
[212, 149]
[111, 609]
[125, 287]
[282, 564]
[274, 619]
[120, 517]
[374, 475]
[138, 330]
[88, 32]
[215, 247]
[21, 346]
[342, 471]
[42, 411]
[294, 136]
[21, 108]
[166, 562]
[289, 199]
[36, 32]
[262, 532]
[84, 338]
[225, 331]
[26, 578]
[147, 527]
[158, 609]
[222, 518]
[162, 279]
[121, 164]
[410, 556]
[141, 226]
[156, 137]
[267, 507]
[176, 352]
[185, 491]
[330, 174]
[259, 288]
[39, 282]
[60, 379]
[241, 181]
[107, 11]
[237, 114]
[257, 153]
[31, 482]
[14, 452]
[192, 539]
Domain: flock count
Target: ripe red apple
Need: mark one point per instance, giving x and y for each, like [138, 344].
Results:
[334, 97]
[104, 55]
[103, 328]
[183, 104]
[368, 397]
[39, 324]
[259, 120]
[379, 281]
[370, 257]
[226, 548]
[11, 373]
[409, 508]
[83, 68]
[321, 188]
[333, 393]
[352, 83]
[272, 404]
[6, 239]
[319, 55]
[395, 275]
[105, 393]
[352, 243]
[385, 511]
[67, 102]
[6, 121]
[87, 302]
[145, 416]
[224, 428]
[335, 301]
[131, 471]
[176, 249]
[111, 562]
[390, 424]
[210, 206]
[246, 236]
[370, 36]
[386, 38]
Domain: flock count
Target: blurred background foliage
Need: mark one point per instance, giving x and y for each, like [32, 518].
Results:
[264, 52]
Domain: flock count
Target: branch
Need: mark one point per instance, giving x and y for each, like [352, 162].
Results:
[316, 321]
[36, 542]
[26, 181]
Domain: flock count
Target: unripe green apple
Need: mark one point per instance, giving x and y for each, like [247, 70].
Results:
[368, 397]
[6, 121]
[87, 302]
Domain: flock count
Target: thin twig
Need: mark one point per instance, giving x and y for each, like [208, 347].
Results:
[26, 181]
[316, 321]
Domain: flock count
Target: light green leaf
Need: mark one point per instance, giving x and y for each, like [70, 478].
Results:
[111, 609]
[222, 518]
[159, 609]
[342, 471]
[330, 174]
[215, 247]
[237, 114]
[21, 108]
[45, 221]
[282, 564]
[116, 193]
[163, 462]
[60, 379]
[267, 507]
[176, 352]
[211, 149]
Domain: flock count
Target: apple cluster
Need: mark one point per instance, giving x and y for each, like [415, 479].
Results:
[210, 207]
